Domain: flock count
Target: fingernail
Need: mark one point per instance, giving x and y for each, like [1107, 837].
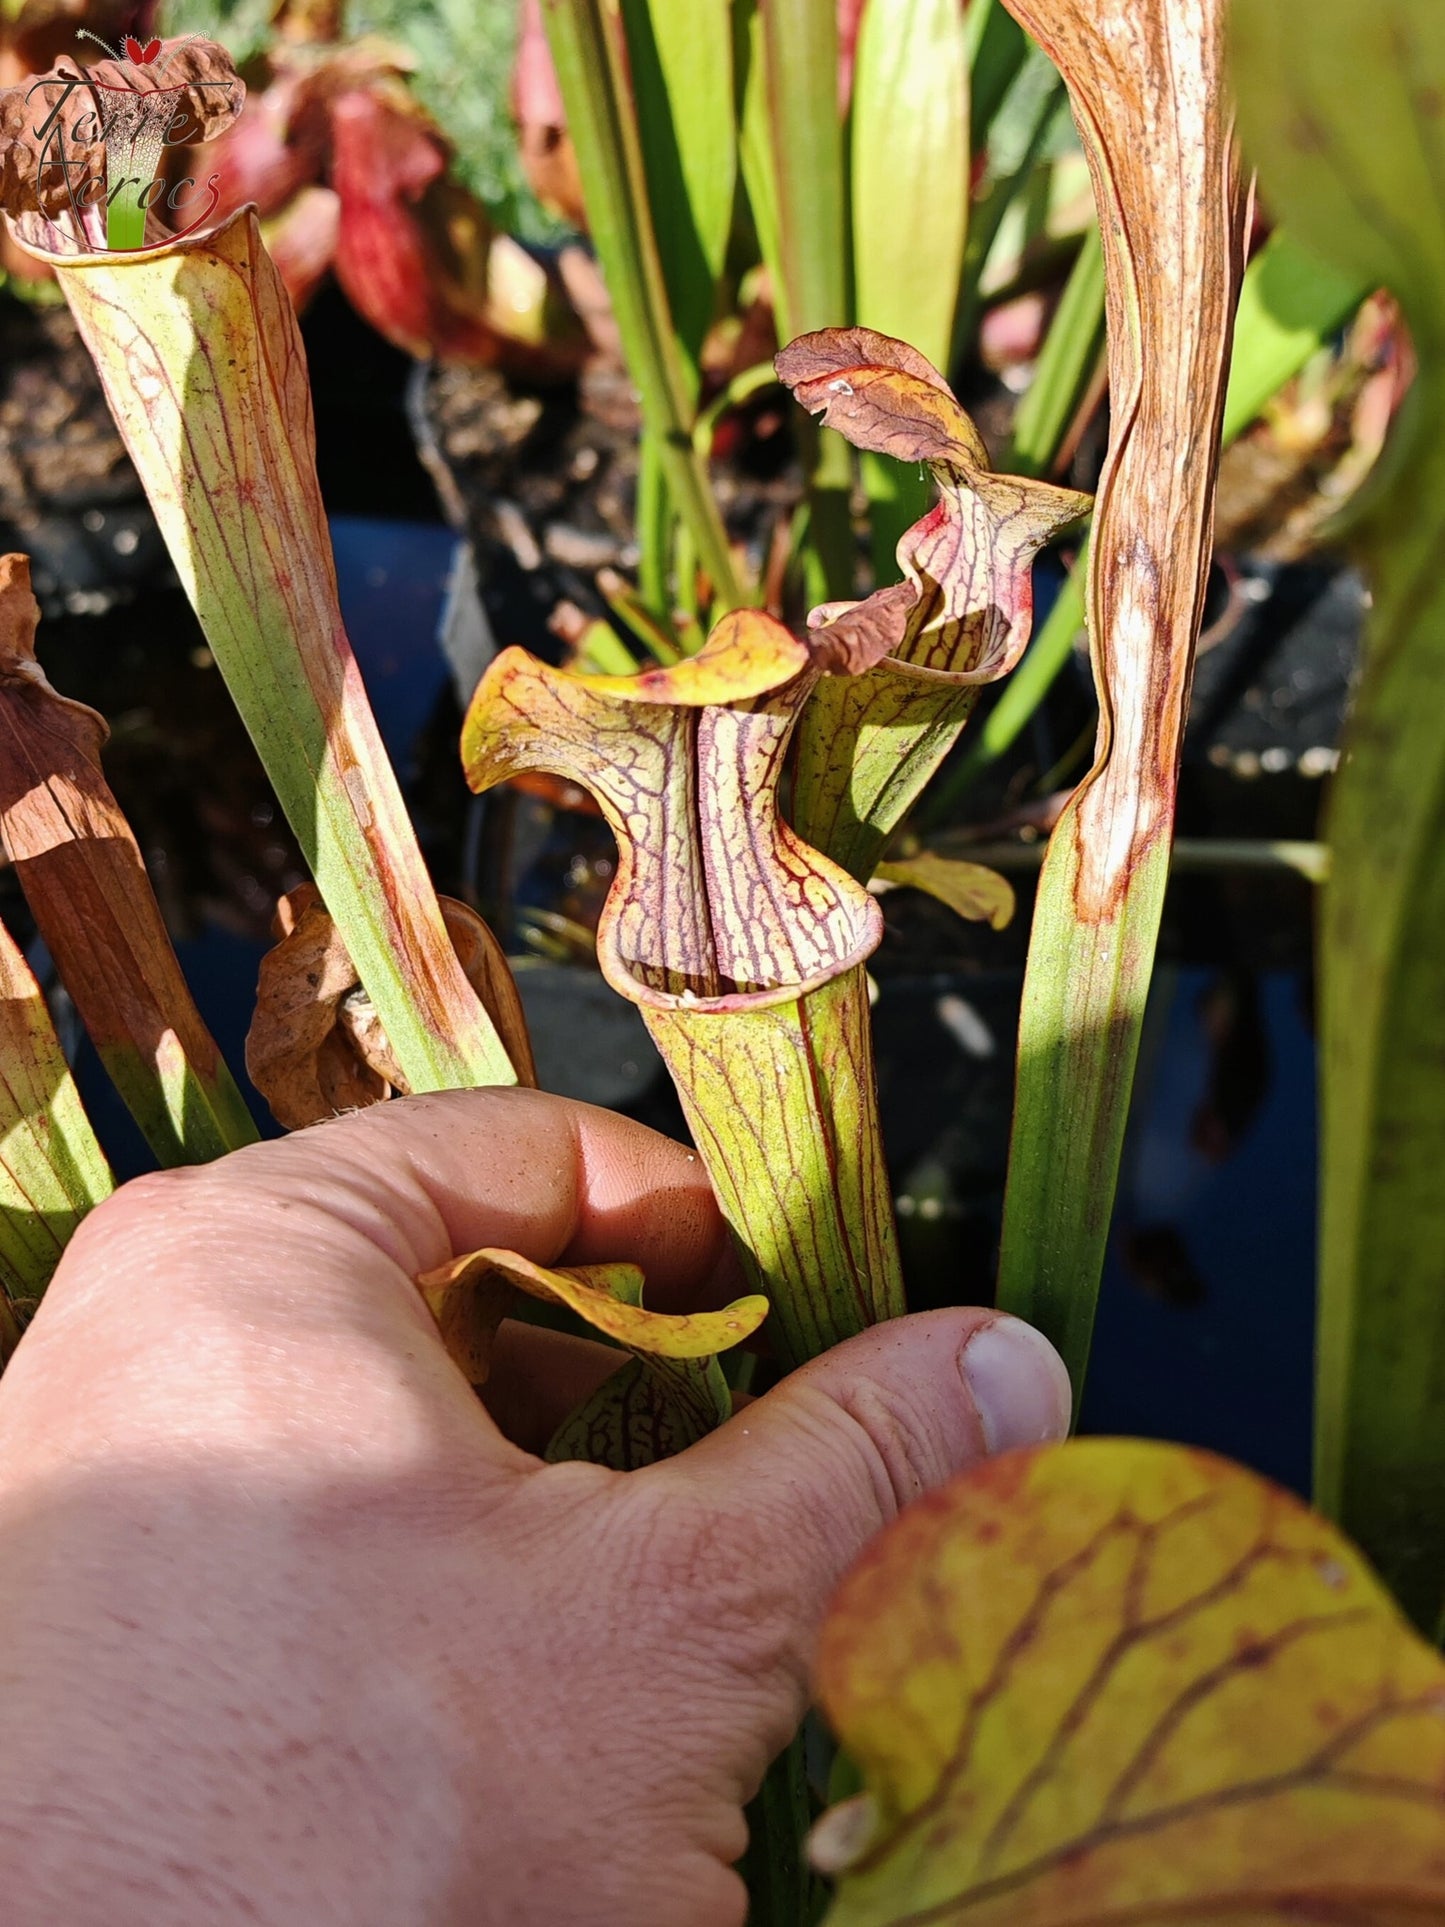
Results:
[1018, 1384]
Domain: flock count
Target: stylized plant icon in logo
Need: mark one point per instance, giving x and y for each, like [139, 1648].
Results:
[131, 48]
[80, 140]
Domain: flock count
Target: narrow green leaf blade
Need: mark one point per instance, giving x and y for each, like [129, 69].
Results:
[799, 73]
[52, 1170]
[783, 1890]
[680, 60]
[1291, 302]
[755, 150]
[997, 48]
[587, 48]
[1146, 81]
[909, 149]
[1067, 362]
[1345, 124]
[200, 355]
[1016, 174]
[806, 133]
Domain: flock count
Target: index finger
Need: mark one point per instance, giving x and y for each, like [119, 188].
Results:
[286, 1268]
[558, 1181]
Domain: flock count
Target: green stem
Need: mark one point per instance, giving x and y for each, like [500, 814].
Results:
[199, 352]
[783, 1109]
[654, 527]
[584, 36]
[988, 216]
[800, 78]
[800, 72]
[828, 558]
[1379, 1408]
[1025, 689]
[997, 49]
[1067, 362]
[125, 218]
[783, 1891]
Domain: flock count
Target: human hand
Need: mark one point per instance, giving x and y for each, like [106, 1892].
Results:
[293, 1634]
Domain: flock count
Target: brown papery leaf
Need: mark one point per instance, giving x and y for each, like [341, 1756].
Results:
[966, 605]
[83, 876]
[1118, 1684]
[316, 1047]
[190, 92]
[849, 638]
[214, 92]
[297, 1056]
[1171, 208]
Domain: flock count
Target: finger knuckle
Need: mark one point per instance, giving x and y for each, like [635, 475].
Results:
[138, 1202]
[904, 1457]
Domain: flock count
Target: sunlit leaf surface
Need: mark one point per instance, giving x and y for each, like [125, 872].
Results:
[1147, 88]
[970, 890]
[201, 359]
[670, 1393]
[1113, 1682]
[1346, 123]
[607, 1297]
[961, 617]
[52, 1170]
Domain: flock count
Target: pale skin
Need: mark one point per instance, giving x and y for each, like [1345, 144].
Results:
[295, 1632]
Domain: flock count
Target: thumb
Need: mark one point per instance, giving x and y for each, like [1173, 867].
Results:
[808, 1473]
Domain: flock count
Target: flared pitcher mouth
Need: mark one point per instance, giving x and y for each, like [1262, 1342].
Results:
[26, 228]
[87, 152]
[620, 974]
[718, 906]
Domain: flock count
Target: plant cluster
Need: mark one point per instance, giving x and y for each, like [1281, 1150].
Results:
[1098, 1681]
